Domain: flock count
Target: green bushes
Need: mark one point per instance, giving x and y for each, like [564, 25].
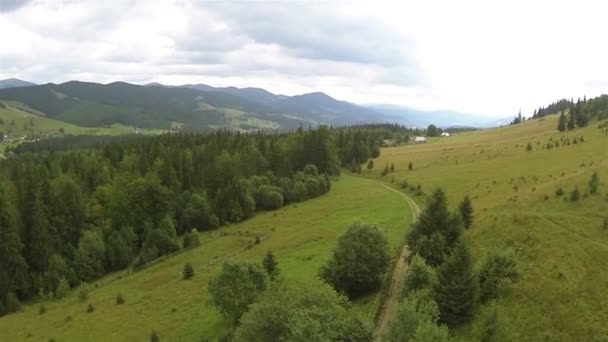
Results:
[120, 299]
[191, 239]
[188, 271]
[62, 289]
[495, 274]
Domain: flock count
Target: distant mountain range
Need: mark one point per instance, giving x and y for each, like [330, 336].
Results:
[203, 107]
[14, 83]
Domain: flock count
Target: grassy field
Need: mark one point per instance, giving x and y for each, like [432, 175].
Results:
[301, 236]
[561, 247]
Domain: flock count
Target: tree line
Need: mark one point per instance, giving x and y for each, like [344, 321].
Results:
[70, 215]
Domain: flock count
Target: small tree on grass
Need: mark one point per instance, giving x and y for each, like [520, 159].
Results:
[191, 239]
[466, 211]
[456, 289]
[419, 276]
[236, 287]
[120, 299]
[90, 308]
[416, 309]
[271, 265]
[83, 292]
[594, 183]
[575, 195]
[496, 273]
[370, 165]
[385, 171]
[410, 166]
[154, 337]
[62, 289]
[561, 126]
[358, 261]
[392, 167]
[188, 272]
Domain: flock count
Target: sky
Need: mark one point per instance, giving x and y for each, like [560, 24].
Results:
[487, 58]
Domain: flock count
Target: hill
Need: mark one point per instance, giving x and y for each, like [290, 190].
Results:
[190, 108]
[559, 241]
[14, 83]
[156, 298]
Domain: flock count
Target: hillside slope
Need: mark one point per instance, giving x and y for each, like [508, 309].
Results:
[301, 236]
[560, 245]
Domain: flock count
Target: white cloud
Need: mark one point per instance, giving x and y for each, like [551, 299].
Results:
[483, 57]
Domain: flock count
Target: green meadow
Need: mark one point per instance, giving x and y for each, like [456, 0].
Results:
[560, 245]
[301, 236]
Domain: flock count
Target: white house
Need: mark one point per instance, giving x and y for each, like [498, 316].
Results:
[445, 134]
[420, 140]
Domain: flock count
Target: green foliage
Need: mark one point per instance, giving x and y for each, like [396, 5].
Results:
[358, 261]
[120, 299]
[489, 326]
[466, 211]
[433, 131]
[188, 271]
[419, 276]
[62, 288]
[410, 166]
[83, 292]
[385, 171]
[236, 287]
[11, 303]
[90, 255]
[561, 126]
[575, 195]
[269, 197]
[154, 336]
[417, 308]
[496, 273]
[529, 147]
[191, 239]
[90, 308]
[559, 192]
[594, 183]
[436, 231]
[301, 311]
[457, 287]
[370, 165]
[42, 309]
[271, 265]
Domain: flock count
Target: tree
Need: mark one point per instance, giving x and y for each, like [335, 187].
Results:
[571, 121]
[191, 239]
[13, 268]
[38, 239]
[302, 311]
[419, 276]
[456, 289]
[418, 307]
[432, 131]
[90, 256]
[495, 273]
[410, 166]
[271, 265]
[561, 126]
[188, 271]
[119, 253]
[466, 211]
[236, 287]
[594, 183]
[392, 167]
[358, 261]
[385, 171]
[370, 165]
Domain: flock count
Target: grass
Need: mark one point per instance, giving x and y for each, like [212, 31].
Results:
[301, 236]
[560, 246]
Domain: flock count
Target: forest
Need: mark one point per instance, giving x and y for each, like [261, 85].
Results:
[70, 215]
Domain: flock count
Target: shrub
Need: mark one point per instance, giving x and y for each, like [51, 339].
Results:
[188, 271]
[62, 289]
[594, 183]
[529, 147]
[257, 240]
[42, 309]
[385, 171]
[605, 225]
[90, 308]
[120, 299]
[489, 326]
[419, 276]
[496, 273]
[410, 166]
[575, 195]
[191, 239]
[154, 336]
[83, 292]
[269, 197]
[358, 261]
[559, 192]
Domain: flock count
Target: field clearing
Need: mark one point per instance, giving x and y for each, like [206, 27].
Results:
[561, 247]
[301, 236]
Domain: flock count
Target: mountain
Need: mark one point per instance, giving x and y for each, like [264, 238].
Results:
[442, 118]
[195, 107]
[14, 83]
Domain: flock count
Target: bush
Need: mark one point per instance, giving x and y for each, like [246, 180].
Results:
[120, 299]
[62, 289]
[154, 336]
[191, 239]
[559, 192]
[594, 183]
[42, 309]
[416, 309]
[529, 147]
[83, 292]
[496, 273]
[90, 308]
[269, 197]
[358, 261]
[419, 276]
[188, 272]
[575, 195]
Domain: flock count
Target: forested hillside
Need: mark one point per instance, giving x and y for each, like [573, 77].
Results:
[70, 216]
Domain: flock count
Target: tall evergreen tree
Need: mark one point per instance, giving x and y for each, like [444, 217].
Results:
[466, 211]
[561, 126]
[271, 265]
[571, 121]
[38, 239]
[13, 268]
[456, 289]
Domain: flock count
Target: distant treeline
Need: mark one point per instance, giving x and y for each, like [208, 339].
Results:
[71, 215]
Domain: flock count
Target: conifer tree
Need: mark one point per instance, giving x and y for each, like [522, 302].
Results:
[13, 268]
[456, 289]
[561, 126]
[38, 239]
[410, 166]
[370, 164]
[271, 265]
[571, 121]
[466, 211]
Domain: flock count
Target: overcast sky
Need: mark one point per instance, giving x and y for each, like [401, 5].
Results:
[481, 57]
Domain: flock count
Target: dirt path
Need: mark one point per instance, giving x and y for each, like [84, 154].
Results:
[389, 308]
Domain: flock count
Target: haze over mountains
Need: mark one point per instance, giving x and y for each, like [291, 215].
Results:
[203, 107]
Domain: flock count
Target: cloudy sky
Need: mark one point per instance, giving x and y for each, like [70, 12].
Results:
[483, 57]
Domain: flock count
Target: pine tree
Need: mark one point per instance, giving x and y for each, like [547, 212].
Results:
[466, 211]
[271, 265]
[594, 183]
[13, 268]
[38, 239]
[561, 126]
[410, 166]
[571, 121]
[370, 164]
[456, 289]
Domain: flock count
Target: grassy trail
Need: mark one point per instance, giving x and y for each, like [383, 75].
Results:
[389, 307]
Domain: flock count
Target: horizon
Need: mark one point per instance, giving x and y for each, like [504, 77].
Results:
[493, 61]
